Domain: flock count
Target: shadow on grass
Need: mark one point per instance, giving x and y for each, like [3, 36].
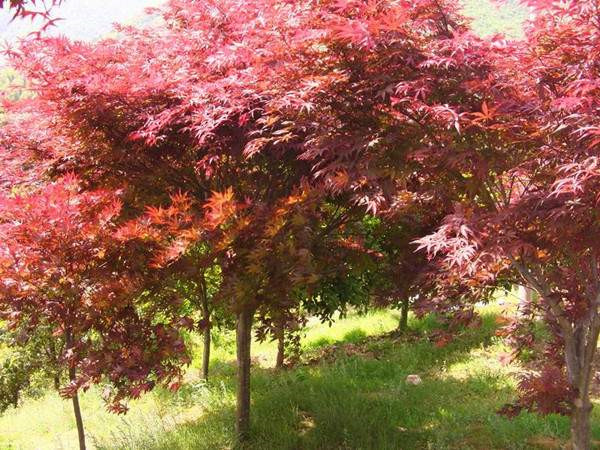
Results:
[363, 402]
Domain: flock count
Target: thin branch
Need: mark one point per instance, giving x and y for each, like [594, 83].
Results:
[545, 291]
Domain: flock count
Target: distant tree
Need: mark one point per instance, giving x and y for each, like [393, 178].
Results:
[28, 355]
[400, 277]
[193, 282]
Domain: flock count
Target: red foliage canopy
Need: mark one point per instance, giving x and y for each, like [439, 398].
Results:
[532, 147]
[236, 124]
[61, 266]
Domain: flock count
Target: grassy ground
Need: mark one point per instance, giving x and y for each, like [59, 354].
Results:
[490, 18]
[353, 397]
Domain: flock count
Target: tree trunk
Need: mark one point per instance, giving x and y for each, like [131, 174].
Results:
[207, 330]
[403, 326]
[243, 343]
[56, 382]
[579, 378]
[75, 398]
[526, 296]
[77, 411]
[280, 348]
[580, 424]
[580, 349]
[206, 353]
[580, 345]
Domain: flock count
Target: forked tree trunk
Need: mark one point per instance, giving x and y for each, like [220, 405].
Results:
[580, 343]
[280, 347]
[403, 325]
[243, 344]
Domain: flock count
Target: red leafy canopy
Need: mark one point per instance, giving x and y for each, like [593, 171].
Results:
[190, 120]
[527, 213]
[61, 267]
[235, 125]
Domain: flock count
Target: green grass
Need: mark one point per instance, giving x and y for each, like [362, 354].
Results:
[489, 18]
[353, 397]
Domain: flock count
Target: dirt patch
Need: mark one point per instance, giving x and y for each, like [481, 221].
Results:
[366, 348]
[333, 352]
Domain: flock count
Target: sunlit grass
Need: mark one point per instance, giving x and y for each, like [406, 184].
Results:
[354, 399]
[47, 422]
[490, 17]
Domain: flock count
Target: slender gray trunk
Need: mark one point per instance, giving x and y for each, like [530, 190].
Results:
[403, 325]
[206, 335]
[526, 297]
[207, 331]
[280, 347]
[206, 353]
[243, 343]
[580, 349]
[75, 399]
[78, 418]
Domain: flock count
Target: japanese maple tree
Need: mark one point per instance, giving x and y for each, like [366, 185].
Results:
[235, 125]
[61, 269]
[386, 80]
[531, 147]
[201, 155]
